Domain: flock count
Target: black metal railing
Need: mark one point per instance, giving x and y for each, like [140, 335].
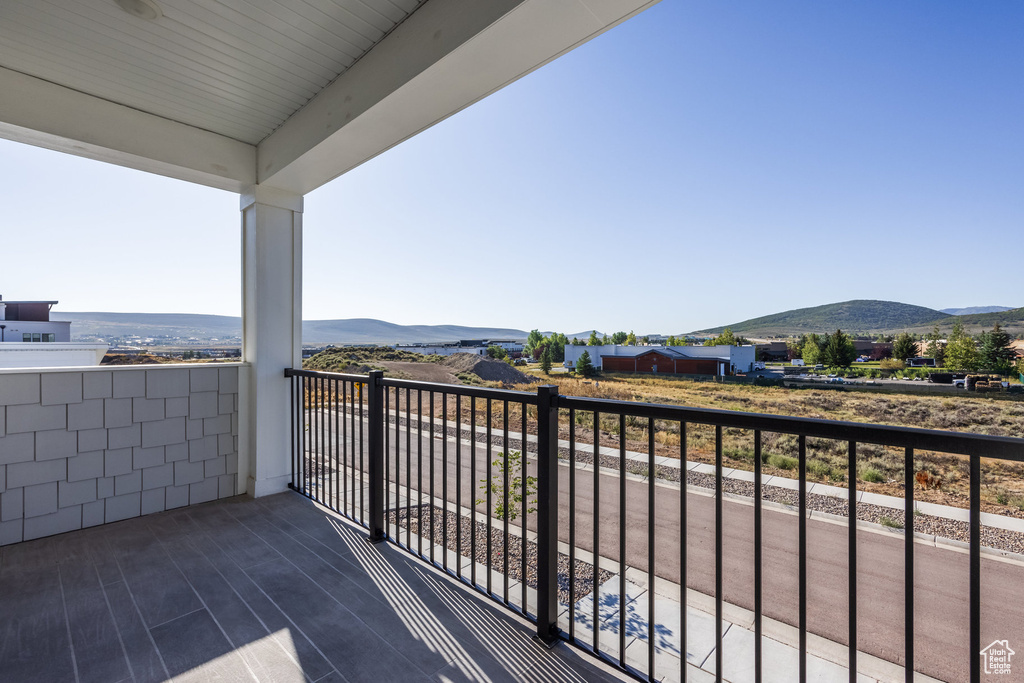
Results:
[415, 463]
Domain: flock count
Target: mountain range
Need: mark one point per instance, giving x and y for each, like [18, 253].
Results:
[223, 327]
[867, 317]
[861, 317]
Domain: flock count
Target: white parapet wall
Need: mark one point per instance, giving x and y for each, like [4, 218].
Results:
[50, 354]
[87, 446]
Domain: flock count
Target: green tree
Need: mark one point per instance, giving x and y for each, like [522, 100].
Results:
[545, 360]
[619, 338]
[646, 341]
[996, 353]
[671, 341]
[496, 352]
[1019, 367]
[631, 339]
[515, 485]
[839, 351]
[593, 341]
[727, 338]
[557, 342]
[533, 341]
[961, 350]
[904, 347]
[935, 348]
[584, 366]
[811, 353]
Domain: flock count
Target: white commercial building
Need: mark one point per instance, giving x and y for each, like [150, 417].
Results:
[729, 359]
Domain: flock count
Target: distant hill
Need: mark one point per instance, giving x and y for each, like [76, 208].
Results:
[853, 317]
[348, 331]
[1011, 320]
[971, 310]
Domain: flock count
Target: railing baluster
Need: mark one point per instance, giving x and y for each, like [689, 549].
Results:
[758, 567]
[291, 407]
[524, 474]
[362, 462]
[651, 477]
[908, 563]
[622, 540]
[419, 471]
[802, 545]
[344, 448]
[430, 498]
[387, 460]
[458, 484]
[305, 437]
[975, 570]
[338, 480]
[572, 525]
[851, 555]
[597, 532]
[472, 484]
[444, 478]
[504, 490]
[408, 469]
[490, 507]
[683, 536]
[719, 600]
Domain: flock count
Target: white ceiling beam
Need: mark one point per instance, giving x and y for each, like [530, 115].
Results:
[444, 57]
[48, 115]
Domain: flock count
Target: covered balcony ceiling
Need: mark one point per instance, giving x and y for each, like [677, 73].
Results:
[283, 93]
[238, 68]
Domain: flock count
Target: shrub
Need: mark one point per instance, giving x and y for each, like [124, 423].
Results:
[783, 462]
[872, 475]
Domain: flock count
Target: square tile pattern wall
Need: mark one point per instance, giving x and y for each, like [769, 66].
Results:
[83, 448]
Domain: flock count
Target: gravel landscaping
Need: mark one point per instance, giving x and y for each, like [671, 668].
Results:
[410, 519]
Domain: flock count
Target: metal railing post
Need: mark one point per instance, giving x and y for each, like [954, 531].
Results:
[375, 399]
[547, 514]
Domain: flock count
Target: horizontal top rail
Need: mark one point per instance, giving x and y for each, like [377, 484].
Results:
[1005, 447]
[462, 390]
[289, 372]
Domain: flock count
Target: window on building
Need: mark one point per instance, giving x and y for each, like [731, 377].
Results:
[26, 337]
[49, 337]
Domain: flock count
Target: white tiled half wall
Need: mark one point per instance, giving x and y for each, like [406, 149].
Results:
[84, 447]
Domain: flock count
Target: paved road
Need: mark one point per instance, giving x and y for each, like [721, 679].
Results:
[941, 586]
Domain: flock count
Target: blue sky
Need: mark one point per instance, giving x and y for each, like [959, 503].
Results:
[703, 163]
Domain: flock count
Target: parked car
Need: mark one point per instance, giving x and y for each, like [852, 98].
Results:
[960, 383]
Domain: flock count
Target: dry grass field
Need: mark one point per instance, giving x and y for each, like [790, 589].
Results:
[879, 469]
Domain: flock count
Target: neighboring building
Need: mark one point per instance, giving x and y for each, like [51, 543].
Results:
[772, 351]
[475, 346]
[681, 360]
[921, 362]
[29, 339]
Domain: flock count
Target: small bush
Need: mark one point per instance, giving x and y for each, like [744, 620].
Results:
[872, 475]
[783, 462]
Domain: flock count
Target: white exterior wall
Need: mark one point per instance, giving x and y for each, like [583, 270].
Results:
[50, 354]
[443, 350]
[96, 445]
[60, 329]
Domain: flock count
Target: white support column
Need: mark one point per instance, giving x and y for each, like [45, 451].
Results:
[271, 334]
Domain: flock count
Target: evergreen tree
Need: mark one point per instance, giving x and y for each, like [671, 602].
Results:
[619, 338]
[996, 354]
[936, 349]
[584, 366]
[962, 350]
[631, 339]
[671, 341]
[545, 360]
[593, 341]
[904, 347]
[839, 351]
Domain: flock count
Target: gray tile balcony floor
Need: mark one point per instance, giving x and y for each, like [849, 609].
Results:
[276, 589]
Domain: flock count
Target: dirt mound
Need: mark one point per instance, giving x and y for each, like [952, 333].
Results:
[487, 369]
